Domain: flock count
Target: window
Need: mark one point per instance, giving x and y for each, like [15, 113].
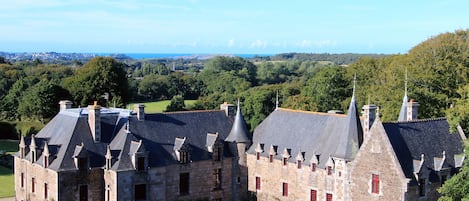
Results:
[375, 183]
[422, 189]
[108, 163]
[285, 160]
[313, 167]
[217, 153]
[33, 185]
[45, 191]
[313, 195]
[140, 192]
[183, 183]
[329, 170]
[108, 195]
[82, 163]
[22, 180]
[33, 156]
[258, 183]
[285, 189]
[258, 155]
[46, 161]
[217, 178]
[83, 193]
[328, 197]
[271, 158]
[22, 152]
[141, 163]
[184, 156]
[298, 164]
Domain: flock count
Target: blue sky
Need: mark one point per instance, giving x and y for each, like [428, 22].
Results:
[216, 26]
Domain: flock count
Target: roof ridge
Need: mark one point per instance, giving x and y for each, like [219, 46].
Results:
[418, 120]
[311, 112]
[189, 111]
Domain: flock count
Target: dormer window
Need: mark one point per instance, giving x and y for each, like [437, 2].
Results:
[329, 170]
[108, 158]
[137, 150]
[46, 161]
[181, 149]
[141, 163]
[184, 156]
[285, 155]
[217, 153]
[298, 164]
[272, 153]
[313, 167]
[259, 149]
[108, 163]
[285, 161]
[81, 157]
[82, 163]
[22, 152]
[33, 156]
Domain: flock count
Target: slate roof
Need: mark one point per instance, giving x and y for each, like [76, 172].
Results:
[315, 134]
[430, 137]
[239, 132]
[68, 135]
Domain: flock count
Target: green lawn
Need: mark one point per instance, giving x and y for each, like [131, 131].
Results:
[160, 106]
[7, 182]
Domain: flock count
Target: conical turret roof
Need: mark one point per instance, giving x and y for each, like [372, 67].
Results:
[352, 135]
[403, 112]
[239, 132]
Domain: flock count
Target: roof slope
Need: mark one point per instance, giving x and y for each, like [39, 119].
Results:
[309, 132]
[429, 137]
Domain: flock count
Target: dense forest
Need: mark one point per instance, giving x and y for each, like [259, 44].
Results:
[437, 71]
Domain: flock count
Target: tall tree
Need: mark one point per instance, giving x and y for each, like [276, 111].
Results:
[99, 76]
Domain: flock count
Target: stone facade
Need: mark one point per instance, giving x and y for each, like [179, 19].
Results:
[376, 156]
[301, 181]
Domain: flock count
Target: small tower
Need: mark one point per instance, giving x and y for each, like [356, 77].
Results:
[239, 142]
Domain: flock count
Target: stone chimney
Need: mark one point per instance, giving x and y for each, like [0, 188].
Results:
[94, 121]
[140, 110]
[230, 109]
[65, 104]
[412, 110]
[369, 116]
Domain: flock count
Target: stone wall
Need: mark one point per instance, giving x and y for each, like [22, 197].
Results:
[376, 156]
[70, 182]
[300, 181]
[41, 176]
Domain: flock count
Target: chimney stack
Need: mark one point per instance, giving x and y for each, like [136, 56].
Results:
[94, 121]
[229, 109]
[412, 110]
[369, 116]
[65, 104]
[140, 110]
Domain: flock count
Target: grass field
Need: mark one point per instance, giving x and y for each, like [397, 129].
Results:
[7, 182]
[160, 106]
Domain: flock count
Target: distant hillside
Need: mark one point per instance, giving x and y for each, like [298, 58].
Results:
[339, 59]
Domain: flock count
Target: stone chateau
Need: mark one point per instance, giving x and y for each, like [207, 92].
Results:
[97, 153]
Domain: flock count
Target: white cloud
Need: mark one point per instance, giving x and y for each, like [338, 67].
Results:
[258, 44]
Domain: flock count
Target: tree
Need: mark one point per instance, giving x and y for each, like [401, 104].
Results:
[41, 100]
[328, 89]
[99, 76]
[176, 104]
[153, 87]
